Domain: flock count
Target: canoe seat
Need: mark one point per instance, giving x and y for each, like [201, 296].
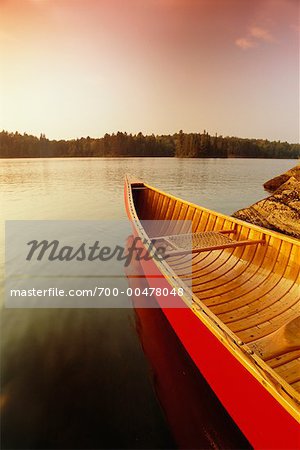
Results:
[285, 339]
[180, 244]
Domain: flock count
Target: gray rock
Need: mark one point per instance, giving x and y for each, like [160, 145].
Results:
[280, 211]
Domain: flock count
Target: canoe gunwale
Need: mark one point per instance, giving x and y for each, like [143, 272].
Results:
[261, 371]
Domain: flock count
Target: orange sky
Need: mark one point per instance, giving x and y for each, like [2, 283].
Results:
[74, 68]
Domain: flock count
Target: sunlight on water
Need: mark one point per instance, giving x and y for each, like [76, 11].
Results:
[92, 188]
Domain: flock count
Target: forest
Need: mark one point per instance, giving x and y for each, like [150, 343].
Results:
[121, 144]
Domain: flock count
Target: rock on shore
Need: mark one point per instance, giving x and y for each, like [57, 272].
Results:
[281, 210]
[276, 182]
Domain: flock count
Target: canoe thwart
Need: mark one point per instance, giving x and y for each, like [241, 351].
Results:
[206, 241]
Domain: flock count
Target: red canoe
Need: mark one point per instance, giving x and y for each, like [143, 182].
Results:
[237, 314]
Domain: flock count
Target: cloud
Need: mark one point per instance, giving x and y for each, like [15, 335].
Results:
[245, 43]
[255, 36]
[261, 33]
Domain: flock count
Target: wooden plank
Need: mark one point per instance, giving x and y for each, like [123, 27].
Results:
[255, 277]
[253, 333]
[289, 371]
[296, 385]
[285, 339]
[283, 359]
[271, 313]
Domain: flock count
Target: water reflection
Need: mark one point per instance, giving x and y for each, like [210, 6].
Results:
[76, 379]
[196, 418]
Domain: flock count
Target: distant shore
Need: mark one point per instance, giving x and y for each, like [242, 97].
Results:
[180, 145]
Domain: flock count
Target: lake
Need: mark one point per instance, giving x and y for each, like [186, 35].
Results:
[110, 378]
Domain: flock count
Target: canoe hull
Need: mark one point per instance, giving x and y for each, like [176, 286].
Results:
[264, 422]
[258, 415]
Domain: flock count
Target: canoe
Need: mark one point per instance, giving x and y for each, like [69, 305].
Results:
[238, 316]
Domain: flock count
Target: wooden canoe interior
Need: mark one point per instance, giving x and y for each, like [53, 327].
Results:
[253, 289]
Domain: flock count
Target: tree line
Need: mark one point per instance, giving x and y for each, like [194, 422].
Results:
[181, 145]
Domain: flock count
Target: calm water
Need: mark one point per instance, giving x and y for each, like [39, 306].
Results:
[110, 378]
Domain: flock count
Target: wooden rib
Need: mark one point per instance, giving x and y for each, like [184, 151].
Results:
[241, 292]
[178, 262]
[196, 220]
[164, 207]
[268, 314]
[252, 303]
[255, 290]
[190, 218]
[281, 341]
[176, 210]
[165, 211]
[154, 205]
[233, 257]
[267, 298]
[283, 359]
[290, 371]
[232, 262]
[258, 306]
[225, 281]
[265, 328]
[204, 221]
[210, 263]
[158, 215]
[256, 271]
[169, 209]
[296, 386]
[209, 268]
[171, 206]
[200, 261]
[211, 223]
[184, 226]
[151, 203]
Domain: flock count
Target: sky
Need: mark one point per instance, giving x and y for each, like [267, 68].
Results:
[72, 68]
